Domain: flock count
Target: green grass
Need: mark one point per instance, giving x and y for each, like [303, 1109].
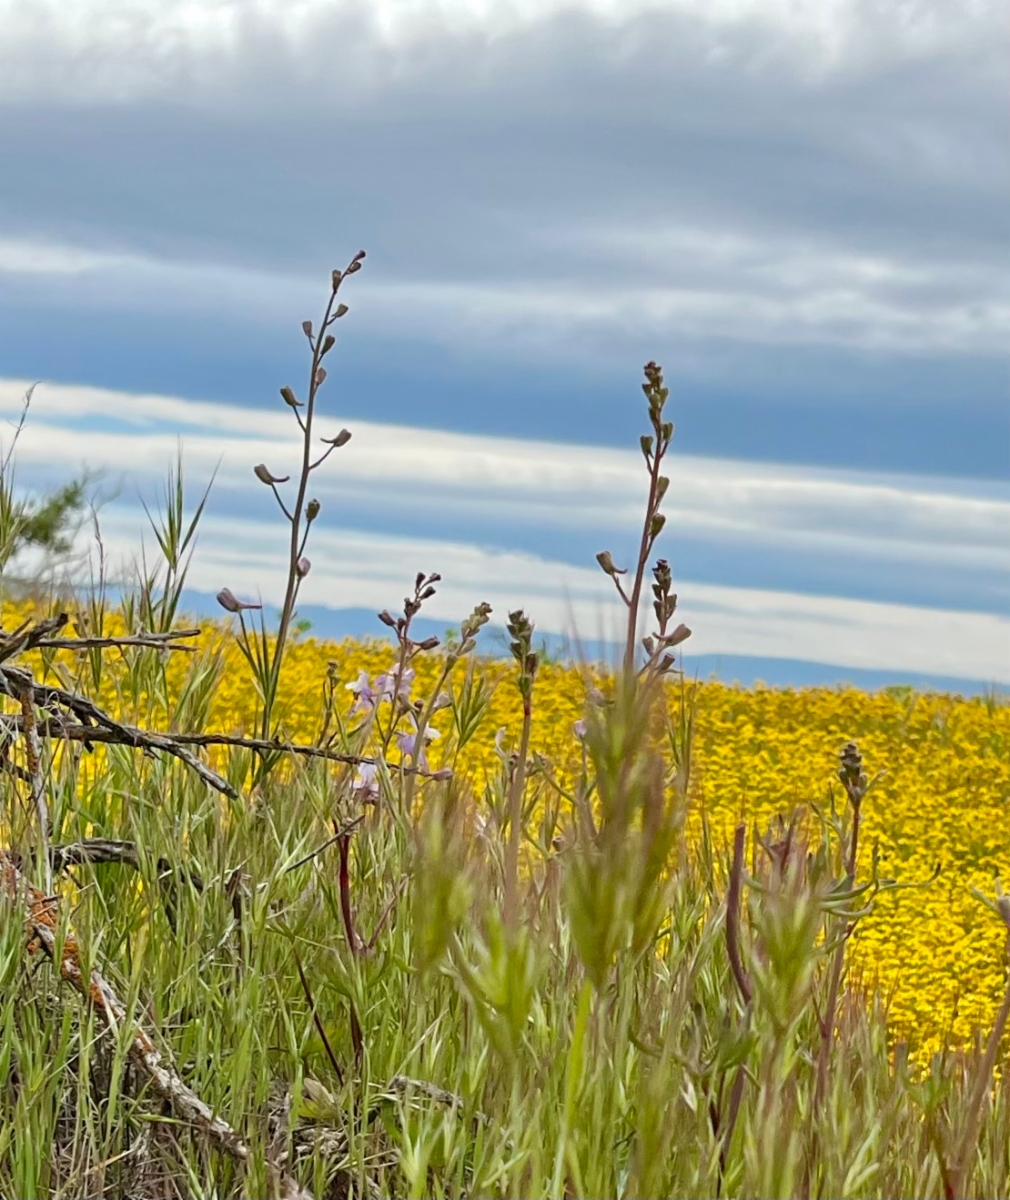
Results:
[589, 1047]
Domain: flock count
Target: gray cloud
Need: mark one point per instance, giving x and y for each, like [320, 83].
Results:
[459, 155]
[778, 200]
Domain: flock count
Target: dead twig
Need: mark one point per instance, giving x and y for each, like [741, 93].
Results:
[28, 635]
[42, 922]
[37, 784]
[14, 681]
[58, 727]
[154, 641]
[109, 850]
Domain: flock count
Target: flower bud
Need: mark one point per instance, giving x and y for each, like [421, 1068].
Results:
[311, 510]
[328, 343]
[265, 475]
[290, 399]
[228, 601]
[335, 280]
[307, 328]
[428, 644]
[302, 567]
[320, 376]
[387, 619]
[340, 311]
[342, 438]
[606, 561]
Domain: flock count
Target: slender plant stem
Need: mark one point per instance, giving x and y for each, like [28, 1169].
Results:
[516, 789]
[645, 547]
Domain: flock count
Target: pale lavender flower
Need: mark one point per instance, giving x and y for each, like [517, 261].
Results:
[579, 729]
[366, 781]
[408, 743]
[386, 685]
[365, 696]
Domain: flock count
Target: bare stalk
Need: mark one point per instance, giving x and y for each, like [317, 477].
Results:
[733, 915]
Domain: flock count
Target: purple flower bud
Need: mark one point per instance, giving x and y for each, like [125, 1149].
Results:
[579, 729]
[230, 602]
[303, 567]
[320, 376]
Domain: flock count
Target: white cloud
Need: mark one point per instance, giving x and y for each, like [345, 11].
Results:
[353, 570]
[774, 291]
[944, 523]
[861, 515]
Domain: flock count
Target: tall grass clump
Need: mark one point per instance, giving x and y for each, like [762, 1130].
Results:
[246, 961]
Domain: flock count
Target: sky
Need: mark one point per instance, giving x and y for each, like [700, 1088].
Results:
[798, 208]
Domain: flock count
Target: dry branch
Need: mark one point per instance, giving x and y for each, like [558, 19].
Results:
[14, 681]
[58, 728]
[155, 641]
[28, 635]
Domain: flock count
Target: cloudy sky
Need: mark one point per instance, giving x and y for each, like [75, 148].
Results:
[798, 208]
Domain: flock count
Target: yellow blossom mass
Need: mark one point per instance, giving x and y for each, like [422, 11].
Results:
[937, 820]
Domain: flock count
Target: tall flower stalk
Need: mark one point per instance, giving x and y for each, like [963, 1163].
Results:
[654, 449]
[305, 510]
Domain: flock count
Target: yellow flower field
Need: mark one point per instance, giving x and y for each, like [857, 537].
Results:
[935, 951]
[944, 801]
